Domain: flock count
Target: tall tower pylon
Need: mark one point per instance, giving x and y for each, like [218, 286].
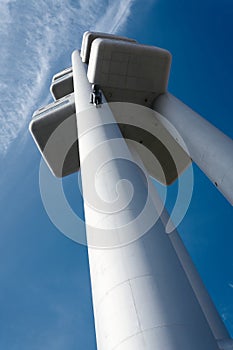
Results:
[147, 294]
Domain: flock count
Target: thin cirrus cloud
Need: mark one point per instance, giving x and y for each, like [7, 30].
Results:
[33, 36]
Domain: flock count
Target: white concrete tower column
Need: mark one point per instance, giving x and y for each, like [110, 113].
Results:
[209, 148]
[142, 297]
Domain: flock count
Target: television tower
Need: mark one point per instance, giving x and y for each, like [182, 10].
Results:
[147, 294]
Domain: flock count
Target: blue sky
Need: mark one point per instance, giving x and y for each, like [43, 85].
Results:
[45, 299]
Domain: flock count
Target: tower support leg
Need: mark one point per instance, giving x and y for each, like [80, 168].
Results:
[208, 147]
[142, 298]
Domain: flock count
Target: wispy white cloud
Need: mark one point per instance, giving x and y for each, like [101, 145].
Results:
[116, 16]
[34, 35]
[5, 17]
